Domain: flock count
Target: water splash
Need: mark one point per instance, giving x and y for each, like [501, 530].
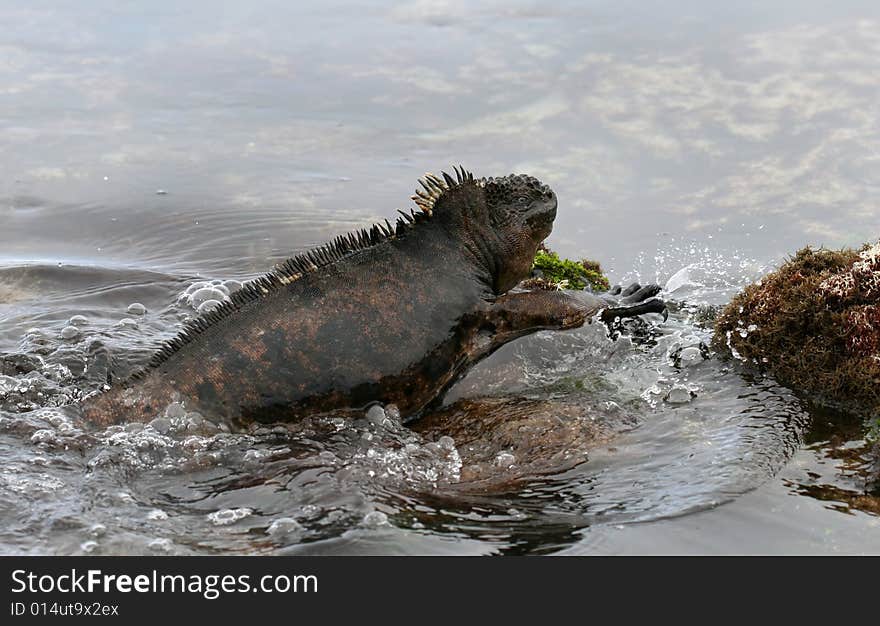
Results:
[629, 430]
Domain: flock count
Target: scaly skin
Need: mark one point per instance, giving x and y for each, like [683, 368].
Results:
[397, 319]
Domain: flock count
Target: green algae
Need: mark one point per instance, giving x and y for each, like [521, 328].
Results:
[568, 274]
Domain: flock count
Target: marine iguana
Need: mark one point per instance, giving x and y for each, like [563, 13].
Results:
[391, 314]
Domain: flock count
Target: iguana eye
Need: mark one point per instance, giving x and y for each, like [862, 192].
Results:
[522, 200]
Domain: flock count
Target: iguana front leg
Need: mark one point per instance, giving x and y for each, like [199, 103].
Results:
[516, 314]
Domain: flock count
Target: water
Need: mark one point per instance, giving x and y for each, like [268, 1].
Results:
[150, 150]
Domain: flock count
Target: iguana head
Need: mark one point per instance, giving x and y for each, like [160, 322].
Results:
[502, 220]
[521, 209]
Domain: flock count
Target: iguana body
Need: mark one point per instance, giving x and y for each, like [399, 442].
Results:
[391, 315]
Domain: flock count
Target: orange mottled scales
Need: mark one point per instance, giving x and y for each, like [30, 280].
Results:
[391, 314]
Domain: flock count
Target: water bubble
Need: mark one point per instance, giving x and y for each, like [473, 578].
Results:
[134, 427]
[194, 419]
[232, 285]
[690, 356]
[679, 394]
[375, 519]
[208, 305]
[204, 294]
[505, 460]
[88, 546]
[69, 332]
[161, 192]
[194, 444]
[284, 527]
[136, 308]
[8, 383]
[157, 514]
[376, 415]
[45, 436]
[127, 322]
[446, 442]
[161, 425]
[196, 286]
[175, 410]
[161, 545]
[224, 517]
[516, 514]
[78, 320]
[97, 530]
[255, 456]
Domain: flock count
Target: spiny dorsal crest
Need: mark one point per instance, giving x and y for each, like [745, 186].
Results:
[434, 187]
[297, 266]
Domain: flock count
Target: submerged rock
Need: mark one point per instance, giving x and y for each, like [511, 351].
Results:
[504, 440]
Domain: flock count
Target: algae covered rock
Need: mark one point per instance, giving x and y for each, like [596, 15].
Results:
[814, 324]
[551, 272]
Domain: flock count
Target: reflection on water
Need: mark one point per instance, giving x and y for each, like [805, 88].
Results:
[147, 148]
[845, 473]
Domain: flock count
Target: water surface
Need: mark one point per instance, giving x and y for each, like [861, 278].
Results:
[695, 144]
